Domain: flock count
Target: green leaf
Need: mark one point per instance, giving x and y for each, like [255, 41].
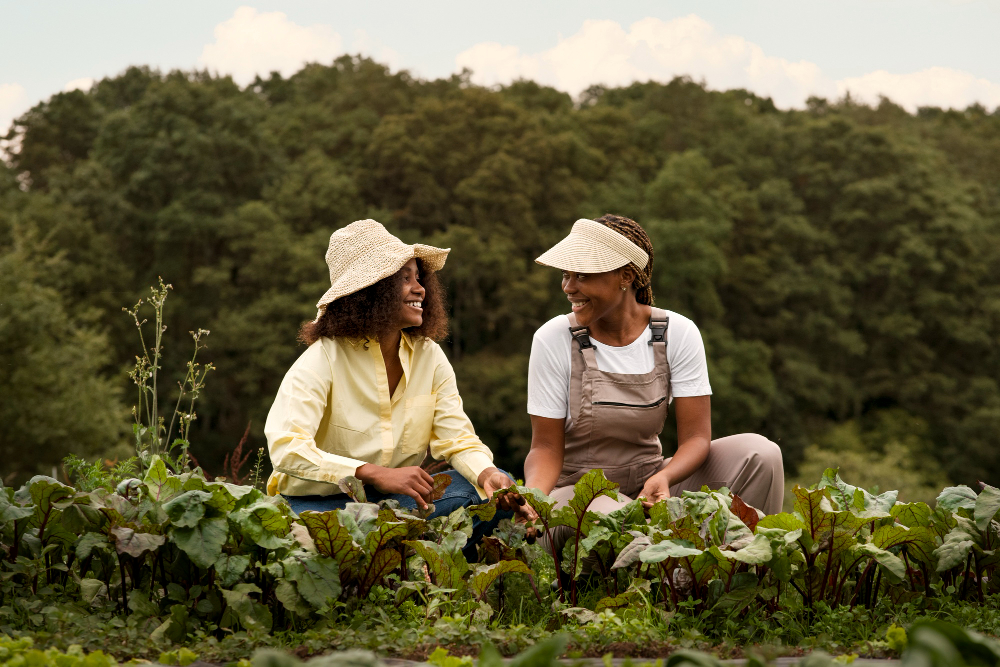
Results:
[987, 506]
[12, 512]
[203, 542]
[251, 614]
[290, 598]
[542, 654]
[332, 539]
[957, 545]
[447, 568]
[483, 511]
[263, 522]
[90, 589]
[622, 600]
[918, 541]
[378, 567]
[597, 539]
[160, 484]
[955, 498]
[912, 515]
[784, 521]
[758, 552]
[90, 541]
[858, 501]
[630, 553]
[669, 549]
[127, 541]
[359, 518]
[46, 493]
[317, 581]
[187, 509]
[890, 561]
[385, 533]
[230, 568]
[592, 485]
[354, 488]
[484, 577]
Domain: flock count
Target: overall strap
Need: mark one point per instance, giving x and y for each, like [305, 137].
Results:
[658, 323]
[581, 335]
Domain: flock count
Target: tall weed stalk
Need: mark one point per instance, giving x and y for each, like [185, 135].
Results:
[153, 436]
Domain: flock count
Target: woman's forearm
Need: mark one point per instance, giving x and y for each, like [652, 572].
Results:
[694, 437]
[544, 462]
[690, 455]
[541, 468]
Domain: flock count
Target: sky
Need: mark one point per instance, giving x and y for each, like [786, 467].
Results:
[916, 52]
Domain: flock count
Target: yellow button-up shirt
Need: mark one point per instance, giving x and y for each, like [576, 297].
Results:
[333, 413]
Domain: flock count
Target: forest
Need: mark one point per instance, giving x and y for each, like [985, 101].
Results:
[842, 261]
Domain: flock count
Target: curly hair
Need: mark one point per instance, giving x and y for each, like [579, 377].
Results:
[631, 230]
[373, 312]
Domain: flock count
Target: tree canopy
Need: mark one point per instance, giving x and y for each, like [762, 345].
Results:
[841, 261]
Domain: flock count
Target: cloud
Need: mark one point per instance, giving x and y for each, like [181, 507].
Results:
[374, 48]
[936, 86]
[13, 102]
[603, 52]
[84, 84]
[253, 42]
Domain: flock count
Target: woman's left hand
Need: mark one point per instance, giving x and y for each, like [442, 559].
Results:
[654, 490]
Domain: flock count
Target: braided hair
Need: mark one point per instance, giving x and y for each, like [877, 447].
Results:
[631, 230]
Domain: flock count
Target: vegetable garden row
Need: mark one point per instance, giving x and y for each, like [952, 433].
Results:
[182, 558]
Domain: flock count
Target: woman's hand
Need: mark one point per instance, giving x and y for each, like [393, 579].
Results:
[412, 481]
[492, 480]
[655, 489]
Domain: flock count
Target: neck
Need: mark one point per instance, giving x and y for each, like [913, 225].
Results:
[622, 325]
[390, 344]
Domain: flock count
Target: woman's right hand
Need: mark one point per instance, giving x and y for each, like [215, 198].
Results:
[412, 481]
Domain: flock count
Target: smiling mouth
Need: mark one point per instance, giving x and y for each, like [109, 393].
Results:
[417, 305]
[578, 305]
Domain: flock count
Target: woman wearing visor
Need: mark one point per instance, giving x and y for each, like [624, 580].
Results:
[601, 378]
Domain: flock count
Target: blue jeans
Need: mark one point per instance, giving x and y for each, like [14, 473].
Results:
[460, 493]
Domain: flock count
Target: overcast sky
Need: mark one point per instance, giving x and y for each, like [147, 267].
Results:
[916, 52]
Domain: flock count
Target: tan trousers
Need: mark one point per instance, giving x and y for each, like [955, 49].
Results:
[748, 464]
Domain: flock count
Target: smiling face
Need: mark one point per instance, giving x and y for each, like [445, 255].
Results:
[411, 312]
[596, 295]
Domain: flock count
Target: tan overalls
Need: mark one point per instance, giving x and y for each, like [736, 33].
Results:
[617, 419]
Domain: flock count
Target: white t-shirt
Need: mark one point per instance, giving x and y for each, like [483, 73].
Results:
[550, 365]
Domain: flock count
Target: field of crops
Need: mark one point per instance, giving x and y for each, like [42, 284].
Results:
[173, 565]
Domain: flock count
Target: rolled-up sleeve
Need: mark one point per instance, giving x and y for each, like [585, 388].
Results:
[295, 418]
[454, 438]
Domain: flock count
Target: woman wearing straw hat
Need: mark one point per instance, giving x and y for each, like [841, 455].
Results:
[374, 391]
[600, 381]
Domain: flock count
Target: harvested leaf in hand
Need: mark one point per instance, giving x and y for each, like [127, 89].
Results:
[441, 482]
[353, 487]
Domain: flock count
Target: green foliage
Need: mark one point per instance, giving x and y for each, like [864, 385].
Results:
[179, 555]
[20, 653]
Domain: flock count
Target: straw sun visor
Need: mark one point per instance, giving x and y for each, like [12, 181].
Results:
[593, 248]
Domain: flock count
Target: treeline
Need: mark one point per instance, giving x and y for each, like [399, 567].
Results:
[842, 261]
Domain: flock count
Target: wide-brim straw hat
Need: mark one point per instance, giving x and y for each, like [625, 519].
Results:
[593, 248]
[364, 252]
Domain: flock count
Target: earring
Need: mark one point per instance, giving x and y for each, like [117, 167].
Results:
[624, 287]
